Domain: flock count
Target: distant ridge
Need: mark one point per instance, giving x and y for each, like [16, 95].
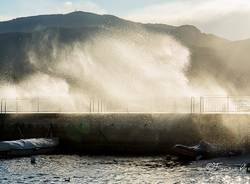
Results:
[72, 20]
[212, 56]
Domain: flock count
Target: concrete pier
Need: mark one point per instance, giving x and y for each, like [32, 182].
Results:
[142, 133]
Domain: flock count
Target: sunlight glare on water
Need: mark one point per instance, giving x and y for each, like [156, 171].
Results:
[59, 168]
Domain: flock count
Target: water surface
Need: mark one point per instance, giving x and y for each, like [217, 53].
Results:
[107, 169]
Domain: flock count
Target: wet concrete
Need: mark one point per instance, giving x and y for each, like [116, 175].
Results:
[128, 132]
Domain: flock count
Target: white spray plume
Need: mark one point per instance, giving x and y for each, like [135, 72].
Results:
[140, 71]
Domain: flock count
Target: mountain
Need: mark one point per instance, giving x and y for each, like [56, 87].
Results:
[212, 57]
[71, 20]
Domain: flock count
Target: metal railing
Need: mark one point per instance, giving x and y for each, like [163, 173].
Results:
[230, 104]
[204, 104]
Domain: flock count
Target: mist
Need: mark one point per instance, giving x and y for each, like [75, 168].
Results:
[121, 70]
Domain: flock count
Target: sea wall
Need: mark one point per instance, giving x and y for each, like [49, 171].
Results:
[128, 132]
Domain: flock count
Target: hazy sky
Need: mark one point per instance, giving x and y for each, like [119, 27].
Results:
[226, 18]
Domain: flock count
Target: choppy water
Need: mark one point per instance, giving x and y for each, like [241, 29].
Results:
[100, 169]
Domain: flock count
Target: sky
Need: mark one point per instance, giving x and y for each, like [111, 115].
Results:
[226, 18]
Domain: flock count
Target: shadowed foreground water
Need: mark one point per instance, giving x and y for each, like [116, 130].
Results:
[101, 169]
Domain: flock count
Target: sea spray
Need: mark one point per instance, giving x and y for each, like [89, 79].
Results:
[124, 71]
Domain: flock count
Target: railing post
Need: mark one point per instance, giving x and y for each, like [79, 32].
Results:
[101, 105]
[98, 105]
[90, 105]
[5, 106]
[104, 106]
[38, 104]
[201, 104]
[16, 105]
[192, 105]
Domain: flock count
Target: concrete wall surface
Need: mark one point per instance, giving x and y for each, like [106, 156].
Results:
[128, 132]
